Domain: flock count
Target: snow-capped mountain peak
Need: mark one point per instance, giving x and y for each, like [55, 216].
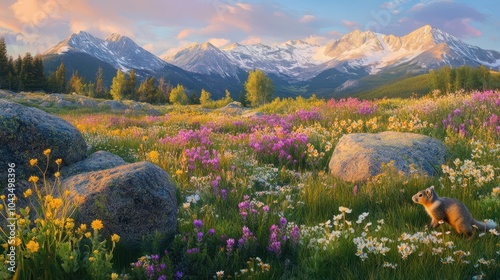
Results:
[117, 50]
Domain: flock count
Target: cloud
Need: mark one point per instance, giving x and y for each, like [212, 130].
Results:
[454, 18]
[219, 42]
[251, 40]
[350, 25]
[307, 18]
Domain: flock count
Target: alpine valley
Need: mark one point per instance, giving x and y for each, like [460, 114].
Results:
[357, 62]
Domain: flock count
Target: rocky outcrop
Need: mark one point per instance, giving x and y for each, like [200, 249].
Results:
[135, 201]
[360, 156]
[99, 160]
[26, 132]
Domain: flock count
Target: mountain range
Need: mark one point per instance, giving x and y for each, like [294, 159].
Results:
[355, 62]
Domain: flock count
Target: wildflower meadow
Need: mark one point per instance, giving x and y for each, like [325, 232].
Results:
[256, 199]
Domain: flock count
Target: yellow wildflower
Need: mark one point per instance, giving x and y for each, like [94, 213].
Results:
[32, 246]
[114, 276]
[154, 156]
[96, 224]
[88, 234]
[56, 203]
[115, 238]
[82, 228]
[70, 224]
[2, 197]
[57, 174]
[33, 179]
[145, 138]
[1, 207]
[178, 172]
[58, 161]
[33, 161]
[91, 259]
[28, 193]
[47, 152]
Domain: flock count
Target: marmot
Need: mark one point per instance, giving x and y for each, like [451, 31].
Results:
[449, 210]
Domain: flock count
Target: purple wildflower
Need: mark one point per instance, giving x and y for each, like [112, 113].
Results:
[198, 224]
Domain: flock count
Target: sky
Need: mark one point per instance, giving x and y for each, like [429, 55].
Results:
[164, 27]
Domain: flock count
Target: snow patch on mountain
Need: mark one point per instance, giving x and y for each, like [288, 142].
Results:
[117, 50]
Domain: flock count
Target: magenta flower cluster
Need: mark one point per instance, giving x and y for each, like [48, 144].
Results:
[203, 158]
[247, 239]
[153, 267]
[279, 146]
[362, 107]
[247, 207]
[200, 137]
[279, 236]
[455, 122]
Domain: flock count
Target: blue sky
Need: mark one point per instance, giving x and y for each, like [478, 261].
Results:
[163, 27]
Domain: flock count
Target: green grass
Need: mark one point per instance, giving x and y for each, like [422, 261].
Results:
[418, 85]
[305, 193]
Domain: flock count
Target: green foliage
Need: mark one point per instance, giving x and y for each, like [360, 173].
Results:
[259, 88]
[148, 91]
[193, 98]
[178, 96]
[100, 90]
[414, 86]
[118, 86]
[4, 65]
[214, 104]
[48, 243]
[129, 87]
[76, 84]
[466, 78]
[205, 97]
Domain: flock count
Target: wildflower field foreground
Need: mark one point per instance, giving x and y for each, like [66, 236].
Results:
[256, 200]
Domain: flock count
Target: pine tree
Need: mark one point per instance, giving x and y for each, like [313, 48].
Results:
[60, 78]
[99, 83]
[148, 92]
[193, 98]
[129, 88]
[4, 65]
[27, 77]
[16, 74]
[52, 82]
[11, 78]
[259, 88]
[178, 96]
[164, 89]
[40, 81]
[117, 86]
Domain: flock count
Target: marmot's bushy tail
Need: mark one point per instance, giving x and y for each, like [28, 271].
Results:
[485, 226]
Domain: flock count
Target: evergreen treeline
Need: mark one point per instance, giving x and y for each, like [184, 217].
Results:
[465, 78]
[22, 74]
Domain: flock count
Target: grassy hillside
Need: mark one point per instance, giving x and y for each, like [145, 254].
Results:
[418, 85]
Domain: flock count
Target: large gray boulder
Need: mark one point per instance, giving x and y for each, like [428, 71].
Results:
[135, 201]
[97, 161]
[26, 132]
[360, 156]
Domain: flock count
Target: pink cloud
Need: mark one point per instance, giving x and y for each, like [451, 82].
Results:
[350, 25]
[307, 19]
[458, 19]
